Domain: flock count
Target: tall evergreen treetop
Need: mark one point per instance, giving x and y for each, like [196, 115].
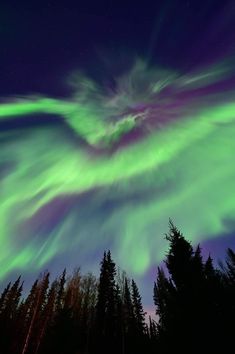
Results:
[139, 313]
[179, 257]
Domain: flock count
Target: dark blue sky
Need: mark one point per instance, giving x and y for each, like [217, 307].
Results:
[43, 41]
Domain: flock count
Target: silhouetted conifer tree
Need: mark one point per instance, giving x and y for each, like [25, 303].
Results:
[106, 304]
[3, 297]
[139, 313]
[87, 317]
[179, 300]
[8, 317]
[76, 314]
[140, 330]
[61, 290]
[38, 300]
[179, 258]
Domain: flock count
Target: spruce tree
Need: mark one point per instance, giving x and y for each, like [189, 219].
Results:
[106, 303]
[61, 291]
[180, 299]
[3, 297]
[179, 257]
[139, 314]
[8, 317]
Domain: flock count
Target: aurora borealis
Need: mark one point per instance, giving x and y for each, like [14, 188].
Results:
[107, 164]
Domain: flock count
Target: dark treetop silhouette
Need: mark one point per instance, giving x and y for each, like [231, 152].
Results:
[81, 314]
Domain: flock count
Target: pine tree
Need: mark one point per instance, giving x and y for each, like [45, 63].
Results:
[106, 303]
[61, 291]
[8, 317]
[197, 266]
[164, 296]
[139, 314]
[153, 336]
[179, 300]
[3, 297]
[140, 327]
[12, 299]
[129, 319]
[152, 329]
[179, 257]
[46, 315]
[87, 317]
[209, 268]
[230, 266]
[226, 303]
[37, 298]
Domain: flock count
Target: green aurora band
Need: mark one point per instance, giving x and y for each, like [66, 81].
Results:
[183, 170]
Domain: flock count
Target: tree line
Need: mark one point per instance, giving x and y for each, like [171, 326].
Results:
[82, 314]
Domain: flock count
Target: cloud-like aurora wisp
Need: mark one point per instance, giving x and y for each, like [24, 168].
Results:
[182, 168]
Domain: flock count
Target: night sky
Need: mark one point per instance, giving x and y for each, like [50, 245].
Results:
[114, 117]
